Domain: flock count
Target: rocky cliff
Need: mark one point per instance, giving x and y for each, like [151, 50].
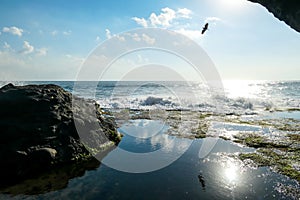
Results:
[285, 10]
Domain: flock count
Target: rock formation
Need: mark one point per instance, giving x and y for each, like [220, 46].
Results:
[39, 130]
[285, 10]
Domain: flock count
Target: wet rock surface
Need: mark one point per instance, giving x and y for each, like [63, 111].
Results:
[39, 130]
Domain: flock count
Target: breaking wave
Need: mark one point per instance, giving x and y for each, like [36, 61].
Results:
[238, 97]
[217, 105]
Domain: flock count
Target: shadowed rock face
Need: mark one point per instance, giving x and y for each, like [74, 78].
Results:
[285, 10]
[38, 132]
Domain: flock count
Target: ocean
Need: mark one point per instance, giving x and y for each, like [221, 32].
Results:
[237, 97]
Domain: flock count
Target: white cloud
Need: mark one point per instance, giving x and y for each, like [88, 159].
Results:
[143, 37]
[13, 30]
[184, 13]
[97, 39]
[67, 32]
[54, 33]
[41, 52]
[120, 38]
[164, 18]
[141, 21]
[192, 34]
[6, 45]
[107, 33]
[27, 48]
[213, 20]
[136, 37]
[148, 39]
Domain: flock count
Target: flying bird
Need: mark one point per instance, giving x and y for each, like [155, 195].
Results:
[205, 28]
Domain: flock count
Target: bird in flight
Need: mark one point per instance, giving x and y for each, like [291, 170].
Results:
[205, 28]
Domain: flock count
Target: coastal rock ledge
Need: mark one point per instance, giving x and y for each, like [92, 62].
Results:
[38, 132]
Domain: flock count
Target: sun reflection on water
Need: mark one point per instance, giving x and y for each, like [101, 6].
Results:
[244, 89]
[231, 173]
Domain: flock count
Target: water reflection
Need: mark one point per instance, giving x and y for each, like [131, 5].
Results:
[245, 89]
[201, 180]
[230, 172]
[143, 129]
[55, 179]
[146, 147]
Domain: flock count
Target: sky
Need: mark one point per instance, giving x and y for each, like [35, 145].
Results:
[50, 40]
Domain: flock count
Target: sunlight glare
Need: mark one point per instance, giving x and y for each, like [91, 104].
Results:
[241, 89]
[231, 172]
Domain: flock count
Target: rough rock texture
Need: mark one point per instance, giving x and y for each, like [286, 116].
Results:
[285, 10]
[37, 130]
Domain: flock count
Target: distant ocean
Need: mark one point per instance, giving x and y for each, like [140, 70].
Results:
[241, 97]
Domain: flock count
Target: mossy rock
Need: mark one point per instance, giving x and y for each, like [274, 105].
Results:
[294, 137]
[259, 159]
[280, 162]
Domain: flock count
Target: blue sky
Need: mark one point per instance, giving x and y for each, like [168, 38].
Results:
[48, 40]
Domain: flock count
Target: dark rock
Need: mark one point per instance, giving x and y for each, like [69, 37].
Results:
[43, 155]
[40, 128]
[285, 10]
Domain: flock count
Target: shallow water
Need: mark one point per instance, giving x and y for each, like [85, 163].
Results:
[285, 114]
[217, 176]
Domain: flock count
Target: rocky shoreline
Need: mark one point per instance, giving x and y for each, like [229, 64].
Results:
[39, 131]
[275, 141]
